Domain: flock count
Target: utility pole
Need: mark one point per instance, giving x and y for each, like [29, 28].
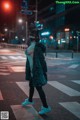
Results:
[36, 11]
[26, 41]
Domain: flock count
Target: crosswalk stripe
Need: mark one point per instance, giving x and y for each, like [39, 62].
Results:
[3, 57]
[4, 73]
[65, 89]
[18, 68]
[27, 113]
[24, 86]
[1, 97]
[73, 66]
[20, 57]
[17, 57]
[4, 70]
[76, 81]
[13, 57]
[73, 107]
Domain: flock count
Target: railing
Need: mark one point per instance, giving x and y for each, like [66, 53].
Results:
[21, 47]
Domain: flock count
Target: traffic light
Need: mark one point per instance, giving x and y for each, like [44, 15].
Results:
[38, 25]
[6, 6]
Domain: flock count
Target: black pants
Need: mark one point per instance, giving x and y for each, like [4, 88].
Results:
[41, 94]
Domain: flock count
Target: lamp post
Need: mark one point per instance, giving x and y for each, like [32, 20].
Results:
[21, 21]
[26, 33]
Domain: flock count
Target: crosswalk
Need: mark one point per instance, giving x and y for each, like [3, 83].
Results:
[65, 89]
[73, 66]
[24, 86]
[4, 69]
[28, 113]
[1, 97]
[23, 113]
[73, 107]
[76, 81]
[49, 62]
[12, 57]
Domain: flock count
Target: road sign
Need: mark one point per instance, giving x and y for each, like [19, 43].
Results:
[24, 4]
[27, 12]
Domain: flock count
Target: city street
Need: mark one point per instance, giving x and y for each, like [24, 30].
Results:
[62, 90]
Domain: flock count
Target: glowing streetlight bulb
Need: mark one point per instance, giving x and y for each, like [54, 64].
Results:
[5, 29]
[20, 20]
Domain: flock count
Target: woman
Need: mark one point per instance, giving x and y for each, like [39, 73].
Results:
[36, 70]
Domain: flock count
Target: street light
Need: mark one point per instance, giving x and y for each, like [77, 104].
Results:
[5, 29]
[20, 20]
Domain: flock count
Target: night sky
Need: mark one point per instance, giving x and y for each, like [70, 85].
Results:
[9, 18]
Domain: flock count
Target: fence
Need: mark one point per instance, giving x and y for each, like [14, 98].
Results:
[21, 47]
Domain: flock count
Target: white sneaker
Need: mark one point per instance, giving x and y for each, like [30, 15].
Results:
[27, 102]
[44, 110]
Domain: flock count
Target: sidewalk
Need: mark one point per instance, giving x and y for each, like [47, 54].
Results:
[63, 58]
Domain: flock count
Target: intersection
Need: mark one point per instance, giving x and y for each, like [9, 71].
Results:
[62, 90]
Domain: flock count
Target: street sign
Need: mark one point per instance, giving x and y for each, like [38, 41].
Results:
[27, 12]
[24, 4]
[25, 8]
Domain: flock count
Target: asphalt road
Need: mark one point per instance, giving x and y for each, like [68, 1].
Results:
[62, 90]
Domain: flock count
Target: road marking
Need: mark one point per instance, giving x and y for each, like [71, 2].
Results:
[24, 86]
[3, 57]
[27, 113]
[13, 57]
[65, 89]
[20, 57]
[5, 50]
[3, 70]
[73, 66]
[73, 107]
[17, 57]
[1, 97]
[3, 73]
[18, 68]
[2, 67]
[76, 81]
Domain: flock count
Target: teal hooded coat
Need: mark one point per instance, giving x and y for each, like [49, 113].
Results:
[39, 70]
